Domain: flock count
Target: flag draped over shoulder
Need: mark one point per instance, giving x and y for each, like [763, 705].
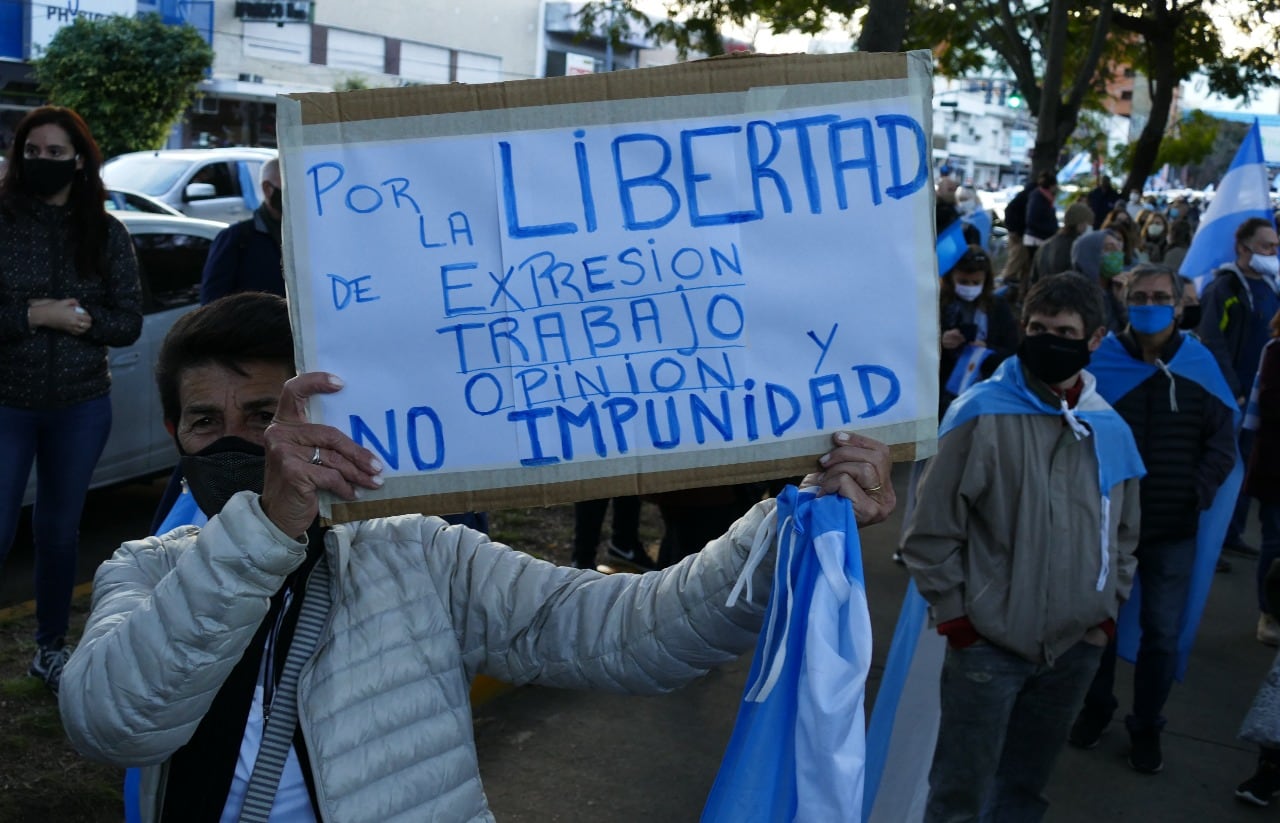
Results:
[1243, 193]
[798, 747]
[1006, 392]
[1119, 373]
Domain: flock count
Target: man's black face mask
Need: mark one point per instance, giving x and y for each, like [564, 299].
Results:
[226, 466]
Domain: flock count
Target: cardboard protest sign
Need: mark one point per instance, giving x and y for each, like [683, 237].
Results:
[573, 288]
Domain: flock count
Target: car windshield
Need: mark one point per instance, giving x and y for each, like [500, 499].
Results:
[147, 173]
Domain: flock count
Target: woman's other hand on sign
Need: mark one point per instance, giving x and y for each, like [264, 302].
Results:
[952, 339]
[858, 469]
[304, 458]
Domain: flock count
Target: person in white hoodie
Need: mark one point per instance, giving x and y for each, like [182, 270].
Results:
[186, 651]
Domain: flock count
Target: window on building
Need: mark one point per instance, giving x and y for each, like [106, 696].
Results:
[356, 51]
[479, 68]
[424, 64]
[288, 43]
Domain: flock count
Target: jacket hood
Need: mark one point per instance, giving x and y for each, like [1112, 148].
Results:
[1086, 253]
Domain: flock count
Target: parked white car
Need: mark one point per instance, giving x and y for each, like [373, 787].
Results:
[210, 184]
[123, 200]
[171, 253]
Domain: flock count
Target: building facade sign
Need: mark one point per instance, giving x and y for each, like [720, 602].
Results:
[46, 19]
[294, 11]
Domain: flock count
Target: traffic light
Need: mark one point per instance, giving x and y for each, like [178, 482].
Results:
[1014, 100]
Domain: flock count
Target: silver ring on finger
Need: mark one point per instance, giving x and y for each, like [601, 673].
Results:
[315, 458]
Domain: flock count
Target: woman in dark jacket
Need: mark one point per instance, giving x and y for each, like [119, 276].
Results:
[68, 290]
[973, 317]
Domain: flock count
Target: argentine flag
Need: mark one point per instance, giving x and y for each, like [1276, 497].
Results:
[968, 369]
[798, 748]
[1243, 193]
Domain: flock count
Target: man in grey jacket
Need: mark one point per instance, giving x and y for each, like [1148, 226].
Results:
[181, 656]
[1022, 541]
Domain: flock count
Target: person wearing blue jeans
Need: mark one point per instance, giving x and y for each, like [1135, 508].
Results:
[1022, 543]
[65, 444]
[68, 290]
[1170, 391]
[986, 688]
[1164, 572]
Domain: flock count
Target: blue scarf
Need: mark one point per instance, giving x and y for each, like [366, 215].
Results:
[1119, 373]
[1007, 392]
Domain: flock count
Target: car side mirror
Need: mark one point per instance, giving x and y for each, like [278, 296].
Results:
[200, 191]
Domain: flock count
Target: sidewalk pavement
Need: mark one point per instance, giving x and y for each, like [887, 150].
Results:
[551, 755]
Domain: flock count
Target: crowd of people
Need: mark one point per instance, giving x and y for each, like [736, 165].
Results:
[1114, 345]
[1093, 405]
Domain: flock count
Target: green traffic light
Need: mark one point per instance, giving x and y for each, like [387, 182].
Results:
[1014, 102]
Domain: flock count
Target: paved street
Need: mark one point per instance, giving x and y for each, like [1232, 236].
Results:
[550, 755]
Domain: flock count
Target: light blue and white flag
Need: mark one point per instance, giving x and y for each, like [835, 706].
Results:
[951, 247]
[905, 719]
[968, 369]
[1076, 166]
[1243, 193]
[980, 219]
[798, 747]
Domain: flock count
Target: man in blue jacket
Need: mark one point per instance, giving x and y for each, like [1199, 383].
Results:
[246, 255]
[1169, 390]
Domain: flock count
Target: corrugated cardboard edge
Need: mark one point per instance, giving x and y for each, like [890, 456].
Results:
[732, 74]
[711, 76]
[547, 494]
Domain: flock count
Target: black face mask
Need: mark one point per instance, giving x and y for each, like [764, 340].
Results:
[45, 177]
[226, 466]
[1052, 358]
[277, 200]
[1190, 318]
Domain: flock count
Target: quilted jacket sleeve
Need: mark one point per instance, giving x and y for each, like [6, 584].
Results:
[171, 617]
[527, 621]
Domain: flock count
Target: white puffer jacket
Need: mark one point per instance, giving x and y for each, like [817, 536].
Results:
[419, 609]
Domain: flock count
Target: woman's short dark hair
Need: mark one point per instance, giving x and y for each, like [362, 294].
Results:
[250, 327]
[88, 214]
[1067, 292]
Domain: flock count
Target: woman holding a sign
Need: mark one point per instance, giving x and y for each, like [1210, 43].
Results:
[266, 662]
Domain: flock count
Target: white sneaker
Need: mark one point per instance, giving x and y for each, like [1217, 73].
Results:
[1268, 630]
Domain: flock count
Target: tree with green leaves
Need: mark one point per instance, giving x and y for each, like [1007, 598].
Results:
[1052, 48]
[129, 78]
[1060, 52]
[1172, 39]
